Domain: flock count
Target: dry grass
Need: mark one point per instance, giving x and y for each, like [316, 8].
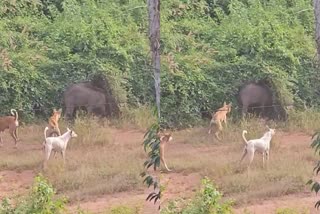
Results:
[100, 161]
[138, 118]
[290, 167]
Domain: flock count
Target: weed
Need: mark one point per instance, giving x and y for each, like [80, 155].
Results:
[207, 201]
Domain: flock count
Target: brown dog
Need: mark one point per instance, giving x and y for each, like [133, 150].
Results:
[11, 123]
[164, 139]
[218, 117]
[53, 123]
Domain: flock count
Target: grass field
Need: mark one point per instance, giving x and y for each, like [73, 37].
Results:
[103, 165]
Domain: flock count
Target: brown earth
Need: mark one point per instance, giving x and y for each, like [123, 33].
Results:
[178, 184]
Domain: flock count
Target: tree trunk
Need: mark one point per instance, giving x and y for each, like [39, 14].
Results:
[154, 37]
[317, 22]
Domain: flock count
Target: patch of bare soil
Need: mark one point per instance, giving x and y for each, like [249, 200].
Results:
[184, 185]
[14, 183]
[179, 185]
[303, 203]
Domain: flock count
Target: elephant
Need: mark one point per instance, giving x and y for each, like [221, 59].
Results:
[84, 95]
[257, 98]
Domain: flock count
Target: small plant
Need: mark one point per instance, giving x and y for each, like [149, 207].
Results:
[290, 211]
[123, 210]
[207, 201]
[151, 145]
[41, 200]
[315, 184]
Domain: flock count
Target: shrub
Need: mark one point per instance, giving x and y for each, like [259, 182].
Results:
[207, 201]
[40, 200]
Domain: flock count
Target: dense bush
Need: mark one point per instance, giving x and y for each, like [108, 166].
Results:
[209, 48]
[46, 46]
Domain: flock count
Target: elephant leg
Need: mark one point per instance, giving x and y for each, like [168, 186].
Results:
[69, 113]
[244, 110]
[91, 110]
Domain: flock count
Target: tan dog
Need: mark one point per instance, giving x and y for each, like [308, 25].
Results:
[53, 123]
[218, 117]
[164, 139]
[11, 123]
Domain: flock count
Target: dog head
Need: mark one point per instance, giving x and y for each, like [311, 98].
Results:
[165, 137]
[72, 133]
[227, 107]
[57, 113]
[272, 131]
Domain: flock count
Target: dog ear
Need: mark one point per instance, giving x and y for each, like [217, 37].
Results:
[60, 110]
[54, 110]
[68, 129]
[268, 127]
[224, 103]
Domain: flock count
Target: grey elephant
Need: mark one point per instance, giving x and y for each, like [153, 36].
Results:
[81, 95]
[259, 98]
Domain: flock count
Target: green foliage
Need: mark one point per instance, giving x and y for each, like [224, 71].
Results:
[210, 48]
[315, 185]
[40, 201]
[47, 45]
[151, 145]
[207, 201]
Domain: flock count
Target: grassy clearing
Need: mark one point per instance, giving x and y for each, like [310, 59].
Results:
[290, 167]
[138, 118]
[101, 160]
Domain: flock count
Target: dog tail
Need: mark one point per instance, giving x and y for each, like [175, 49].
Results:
[244, 132]
[45, 133]
[15, 114]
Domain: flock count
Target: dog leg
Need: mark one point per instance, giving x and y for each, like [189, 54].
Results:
[16, 134]
[14, 137]
[47, 153]
[63, 153]
[263, 157]
[217, 135]
[267, 157]
[210, 126]
[54, 154]
[250, 157]
[243, 155]
[1, 142]
[165, 165]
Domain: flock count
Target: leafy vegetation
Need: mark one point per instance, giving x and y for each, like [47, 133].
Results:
[151, 145]
[209, 48]
[46, 45]
[315, 185]
[207, 201]
[40, 200]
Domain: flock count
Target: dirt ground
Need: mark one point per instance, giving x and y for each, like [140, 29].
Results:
[178, 183]
[14, 183]
[184, 184]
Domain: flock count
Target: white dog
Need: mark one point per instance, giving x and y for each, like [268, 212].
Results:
[261, 145]
[57, 144]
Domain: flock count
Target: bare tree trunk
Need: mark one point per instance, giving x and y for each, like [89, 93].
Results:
[317, 22]
[154, 36]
